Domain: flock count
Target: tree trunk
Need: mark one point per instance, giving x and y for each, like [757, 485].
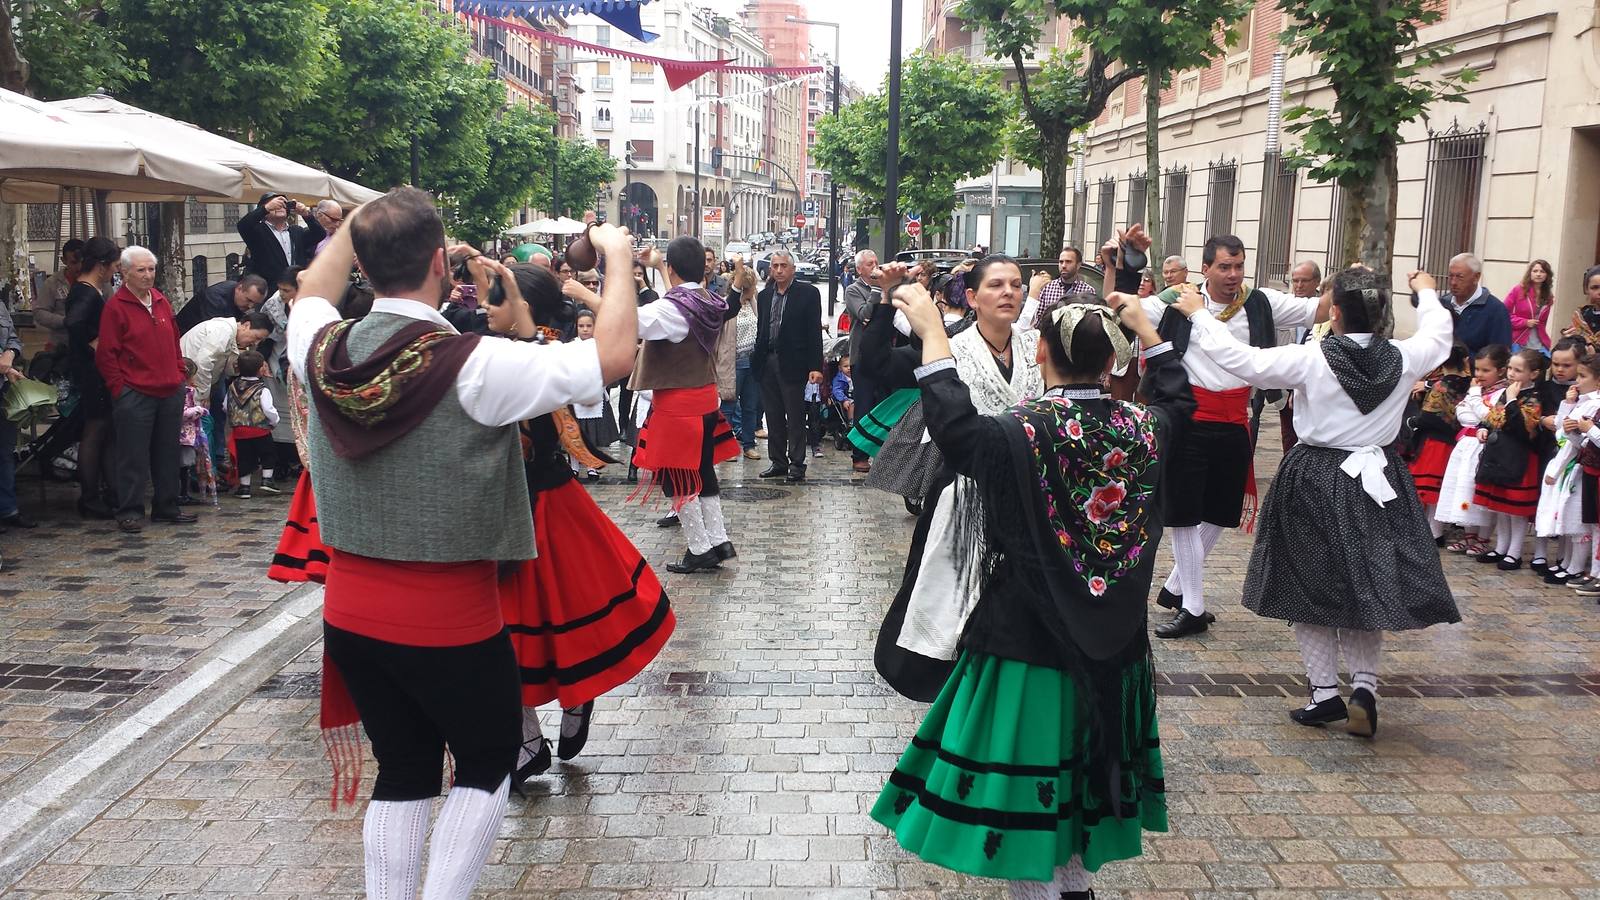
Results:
[13, 248]
[1152, 166]
[1370, 217]
[169, 251]
[1053, 205]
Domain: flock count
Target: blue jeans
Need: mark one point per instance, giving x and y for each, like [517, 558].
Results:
[8, 467]
[749, 404]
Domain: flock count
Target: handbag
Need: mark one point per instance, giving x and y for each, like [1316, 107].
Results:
[29, 402]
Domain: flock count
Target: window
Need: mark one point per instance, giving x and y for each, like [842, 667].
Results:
[1277, 219]
[602, 118]
[1138, 194]
[199, 216]
[1108, 200]
[642, 73]
[1451, 198]
[643, 151]
[1336, 231]
[602, 36]
[604, 145]
[602, 77]
[1219, 198]
[1175, 203]
[642, 112]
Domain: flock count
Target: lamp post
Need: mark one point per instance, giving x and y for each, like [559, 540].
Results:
[833, 184]
[891, 180]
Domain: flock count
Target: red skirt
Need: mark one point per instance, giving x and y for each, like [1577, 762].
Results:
[1521, 499]
[301, 555]
[589, 613]
[1427, 470]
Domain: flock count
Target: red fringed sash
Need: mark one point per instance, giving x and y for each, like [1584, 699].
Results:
[1232, 407]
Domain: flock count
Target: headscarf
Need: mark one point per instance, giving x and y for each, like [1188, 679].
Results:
[703, 310]
[1068, 316]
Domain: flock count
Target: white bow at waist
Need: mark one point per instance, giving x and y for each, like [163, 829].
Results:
[1367, 464]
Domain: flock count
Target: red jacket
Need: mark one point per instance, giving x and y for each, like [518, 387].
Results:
[139, 349]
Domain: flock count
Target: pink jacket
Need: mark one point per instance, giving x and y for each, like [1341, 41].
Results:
[1527, 317]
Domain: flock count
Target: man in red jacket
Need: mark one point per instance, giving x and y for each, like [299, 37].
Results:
[139, 359]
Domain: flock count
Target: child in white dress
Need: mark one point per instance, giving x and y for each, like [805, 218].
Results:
[1461, 475]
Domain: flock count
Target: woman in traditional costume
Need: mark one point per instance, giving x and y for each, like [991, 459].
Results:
[1039, 760]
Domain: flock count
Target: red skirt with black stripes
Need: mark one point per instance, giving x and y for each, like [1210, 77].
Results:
[1427, 469]
[301, 555]
[589, 613]
[1520, 499]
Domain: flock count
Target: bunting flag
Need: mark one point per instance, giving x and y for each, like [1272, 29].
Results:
[622, 15]
[678, 72]
[713, 101]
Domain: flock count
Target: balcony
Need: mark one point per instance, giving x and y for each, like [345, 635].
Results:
[602, 84]
[599, 124]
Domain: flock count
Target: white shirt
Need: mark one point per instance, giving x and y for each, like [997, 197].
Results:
[661, 320]
[1324, 415]
[1287, 312]
[501, 383]
[268, 409]
[285, 239]
[210, 344]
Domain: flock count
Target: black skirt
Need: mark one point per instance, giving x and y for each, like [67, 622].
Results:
[907, 465]
[1327, 554]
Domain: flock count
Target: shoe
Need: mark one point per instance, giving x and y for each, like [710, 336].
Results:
[91, 510]
[1557, 576]
[1576, 581]
[797, 475]
[1539, 565]
[186, 500]
[538, 765]
[914, 507]
[574, 730]
[592, 474]
[1182, 625]
[1363, 713]
[242, 493]
[761, 434]
[1489, 556]
[179, 518]
[670, 520]
[696, 562]
[1591, 589]
[724, 552]
[1168, 600]
[18, 520]
[1319, 714]
[268, 487]
[1442, 540]
[863, 466]
[816, 452]
[752, 453]
[774, 472]
[1508, 564]
[130, 526]
[633, 474]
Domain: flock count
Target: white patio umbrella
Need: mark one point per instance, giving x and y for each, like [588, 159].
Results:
[43, 149]
[562, 225]
[260, 172]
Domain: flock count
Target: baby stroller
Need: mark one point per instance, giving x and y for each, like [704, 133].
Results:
[836, 420]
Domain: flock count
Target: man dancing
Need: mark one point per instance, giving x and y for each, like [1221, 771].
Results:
[1212, 468]
[1344, 550]
[418, 474]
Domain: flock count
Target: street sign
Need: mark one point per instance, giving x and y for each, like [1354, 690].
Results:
[711, 227]
[799, 220]
[913, 228]
[810, 207]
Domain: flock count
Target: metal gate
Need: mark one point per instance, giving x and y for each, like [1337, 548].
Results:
[1277, 220]
[1221, 178]
[1175, 205]
[1108, 202]
[1450, 200]
[1336, 230]
[1138, 194]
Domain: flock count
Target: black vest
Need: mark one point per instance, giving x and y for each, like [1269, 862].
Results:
[1175, 326]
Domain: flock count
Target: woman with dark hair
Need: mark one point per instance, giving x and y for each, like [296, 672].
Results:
[1529, 304]
[587, 613]
[1039, 760]
[1586, 320]
[97, 263]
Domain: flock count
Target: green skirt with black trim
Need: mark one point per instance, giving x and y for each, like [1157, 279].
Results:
[872, 429]
[993, 783]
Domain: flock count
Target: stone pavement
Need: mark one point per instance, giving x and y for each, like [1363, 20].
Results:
[743, 763]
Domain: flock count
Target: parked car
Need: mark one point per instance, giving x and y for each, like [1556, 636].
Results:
[737, 248]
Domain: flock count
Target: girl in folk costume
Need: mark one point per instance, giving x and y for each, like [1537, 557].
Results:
[1585, 324]
[1436, 428]
[1553, 394]
[1508, 468]
[1038, 761]
[1561, 499]
[1343, 552]
[1529, 304]
[1460, 484]
[596, 422]
[587, 613]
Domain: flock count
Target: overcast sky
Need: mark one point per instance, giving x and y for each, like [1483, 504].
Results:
[864, 41]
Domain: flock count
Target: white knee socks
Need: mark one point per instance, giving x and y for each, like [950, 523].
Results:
[1070, 878]
[392, 834]
[1190, 547]
[694, 526]
[711, 511]
[1361, 649]
[462, 838]
[1319, 650]
[1434, 525]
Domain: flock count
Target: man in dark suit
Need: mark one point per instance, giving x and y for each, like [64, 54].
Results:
[788, 353]
[275, 244]
[225, 298]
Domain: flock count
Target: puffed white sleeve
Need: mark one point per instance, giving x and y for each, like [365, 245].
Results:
[1266, 368]
[506, 381]
[308, 316]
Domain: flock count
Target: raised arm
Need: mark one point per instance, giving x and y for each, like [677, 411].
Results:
[1275, 367]
[1430, 345]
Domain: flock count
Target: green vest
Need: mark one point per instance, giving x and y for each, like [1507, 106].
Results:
[450, 490]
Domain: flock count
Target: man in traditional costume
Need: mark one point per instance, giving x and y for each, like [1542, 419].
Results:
[1212, 468]
[685, 435]
[418, 474]
[1344, 552]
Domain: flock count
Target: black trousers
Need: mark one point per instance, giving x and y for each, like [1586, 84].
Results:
[416, 701]
[254, 452]
[785, 402]
[147, 451]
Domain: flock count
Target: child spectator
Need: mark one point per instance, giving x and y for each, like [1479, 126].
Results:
[189, 437]
[1436, 429]
[1508, 467]
[813, 398]
[844, 389]
[1459, 486]
[251, 416]
[595, 420]
[1561, 500]
[1552, 397]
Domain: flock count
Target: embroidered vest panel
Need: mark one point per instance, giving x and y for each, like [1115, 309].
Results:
[664, 365]
[1176, 327]
[450, 490]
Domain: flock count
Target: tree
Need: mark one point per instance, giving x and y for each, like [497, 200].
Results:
[1367, 49]
[72, 50]
[583, 169]
[518, 145]
[953, 119]
[1156, 38]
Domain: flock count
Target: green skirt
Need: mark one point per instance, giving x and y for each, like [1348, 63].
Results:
[870, 430]
[992, 783]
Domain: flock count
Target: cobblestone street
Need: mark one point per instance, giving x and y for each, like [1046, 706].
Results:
[158, 710]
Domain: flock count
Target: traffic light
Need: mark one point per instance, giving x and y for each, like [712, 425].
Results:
[627, 155]
[716, 157]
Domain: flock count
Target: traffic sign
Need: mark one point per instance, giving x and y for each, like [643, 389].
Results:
[799, 220]
[914, 227]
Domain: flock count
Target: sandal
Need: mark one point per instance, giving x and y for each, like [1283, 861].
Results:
[1459, 546]
[1477, 548]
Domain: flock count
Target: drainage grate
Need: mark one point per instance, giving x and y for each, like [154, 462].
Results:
[753, 494]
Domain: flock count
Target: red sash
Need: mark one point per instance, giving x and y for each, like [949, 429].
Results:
[1231, 407]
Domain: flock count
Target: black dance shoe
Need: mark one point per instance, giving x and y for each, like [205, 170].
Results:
[1488, 556]
[1182, 625]
[725, 551]
[1539, 565]
[1168, 600]
[797, 475]
[696, 562]
[1363, 713]
[1557, 576]
[1077, 895]
[538, 765]
[1508, 564]
[1319, 714]
[774, 472]
[670, 520]
[574, 730]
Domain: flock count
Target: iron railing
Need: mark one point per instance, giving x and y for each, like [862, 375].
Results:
[1452, 195]
[1080, 215]
[1138, 194]
[1108, 212]
[1277, 220]
[1175, 205]
[1221, 179]
[1336, 230]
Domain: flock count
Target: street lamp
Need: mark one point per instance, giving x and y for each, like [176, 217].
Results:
[833, 184]
[891, 180]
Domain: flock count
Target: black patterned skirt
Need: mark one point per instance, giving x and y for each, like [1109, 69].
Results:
[907, 465]
[1327, 554]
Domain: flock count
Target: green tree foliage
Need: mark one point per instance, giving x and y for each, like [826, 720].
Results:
[583, 169]
[953, 120]
[518, 145]
[73, 51]
[1368, 51]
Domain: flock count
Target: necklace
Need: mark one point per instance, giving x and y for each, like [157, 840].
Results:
[1001, 351]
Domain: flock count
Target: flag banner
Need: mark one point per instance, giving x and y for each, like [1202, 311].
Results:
[622, 15]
